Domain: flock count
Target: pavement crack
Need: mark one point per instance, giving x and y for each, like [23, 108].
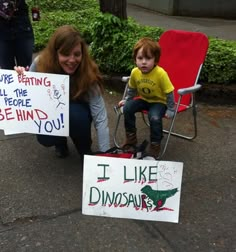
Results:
[155, 233]
[35, 219]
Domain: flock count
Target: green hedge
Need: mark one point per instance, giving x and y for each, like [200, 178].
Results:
[111, 40]
[220, 63]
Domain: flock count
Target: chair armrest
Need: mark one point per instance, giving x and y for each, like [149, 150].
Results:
[184, 91]
[125, 78]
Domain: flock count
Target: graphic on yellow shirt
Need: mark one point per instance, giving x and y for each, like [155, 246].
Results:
[153, 86]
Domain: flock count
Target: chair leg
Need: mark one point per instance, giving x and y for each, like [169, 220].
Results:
[187, 137]
[118, 114]
[169, 132]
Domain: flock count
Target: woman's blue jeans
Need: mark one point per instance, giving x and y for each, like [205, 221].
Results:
[16, 52]
[156, 112]
[80, 129]
[16, 42]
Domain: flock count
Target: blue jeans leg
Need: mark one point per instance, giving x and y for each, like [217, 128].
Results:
[7, 59]
[49, 141]
[24, 51]
[156, 112]
[80, 127]
[80, 130]
[130, 108]
[16, 51]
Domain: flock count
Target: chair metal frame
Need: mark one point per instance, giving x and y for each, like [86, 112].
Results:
[179, 107]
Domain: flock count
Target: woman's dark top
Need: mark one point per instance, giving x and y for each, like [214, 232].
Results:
[19, 25]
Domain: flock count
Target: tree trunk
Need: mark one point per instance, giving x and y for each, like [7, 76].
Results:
[115, 7]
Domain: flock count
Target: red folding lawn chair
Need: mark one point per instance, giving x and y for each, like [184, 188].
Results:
[182, 56]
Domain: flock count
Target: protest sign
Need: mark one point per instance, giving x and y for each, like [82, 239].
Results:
[34, 103]
[131, 188]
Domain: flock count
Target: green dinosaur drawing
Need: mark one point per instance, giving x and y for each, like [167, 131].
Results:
[158, 197]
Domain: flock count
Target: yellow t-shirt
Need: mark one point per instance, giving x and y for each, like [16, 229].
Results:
[152, 86]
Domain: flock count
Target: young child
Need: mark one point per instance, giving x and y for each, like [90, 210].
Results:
[151, 83]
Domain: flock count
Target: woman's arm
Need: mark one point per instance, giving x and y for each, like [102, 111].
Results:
[33, 66]
[99, 115]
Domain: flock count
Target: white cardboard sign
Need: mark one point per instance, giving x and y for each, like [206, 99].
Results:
[34, 103]
[131, 188]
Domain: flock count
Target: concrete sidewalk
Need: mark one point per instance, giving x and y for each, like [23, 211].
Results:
[41, 195]
[218, 28]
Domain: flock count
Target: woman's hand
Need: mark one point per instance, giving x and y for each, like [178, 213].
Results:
[20, 70]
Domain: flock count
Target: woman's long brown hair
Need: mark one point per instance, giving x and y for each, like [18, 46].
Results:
[64, 39]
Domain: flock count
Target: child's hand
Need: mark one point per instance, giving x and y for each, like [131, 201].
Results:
[20, 70]
[169, 113]
[121, 103]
